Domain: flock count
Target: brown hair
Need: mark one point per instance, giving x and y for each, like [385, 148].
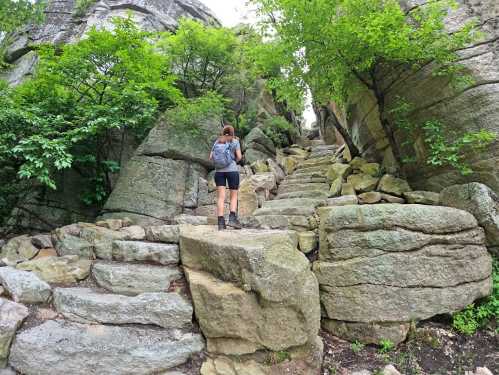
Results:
[228, 130]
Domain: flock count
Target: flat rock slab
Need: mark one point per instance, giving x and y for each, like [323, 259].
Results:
[12, 315]
[297, 206]
[62, 348]
[24, 286]
[130, 251]
[167, 310]
[289, 188]
[53, 269]
[133, 279]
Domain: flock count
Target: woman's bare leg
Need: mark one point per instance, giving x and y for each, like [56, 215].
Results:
[220, 200]
[233, 200]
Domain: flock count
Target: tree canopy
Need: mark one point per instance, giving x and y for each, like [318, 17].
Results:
[337, 47]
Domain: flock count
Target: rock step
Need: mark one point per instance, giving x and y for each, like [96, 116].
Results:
[60, 348]
[298, 223]
[314, 194]
[317, 142]
[130, 251]
[284, 188]
[285, 210]
[315, 163]
[83, 305]
[307, 169]
[303, 180]
[133, 279]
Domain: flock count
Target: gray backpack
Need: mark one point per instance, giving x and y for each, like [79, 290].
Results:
[222, 156]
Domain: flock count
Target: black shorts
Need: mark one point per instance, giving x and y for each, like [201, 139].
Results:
[227, 178]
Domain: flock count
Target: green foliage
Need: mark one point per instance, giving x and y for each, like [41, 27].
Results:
[279, 130]
[357, 346]
[445, 146]
[82, 6]
[203, 57]
[478, 315]
[386, 345]
[189, 113]
[14, 14]
[80, 103]
[454, 153]
[338, 47]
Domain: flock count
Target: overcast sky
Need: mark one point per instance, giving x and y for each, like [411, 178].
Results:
[233, 12]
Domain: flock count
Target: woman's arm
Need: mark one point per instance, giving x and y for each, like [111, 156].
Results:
[239, 155]
[211, 155]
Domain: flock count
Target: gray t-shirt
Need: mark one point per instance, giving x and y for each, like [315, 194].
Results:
[232, 167]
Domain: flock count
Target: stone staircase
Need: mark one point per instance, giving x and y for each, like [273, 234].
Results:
[299, 195]
[127, 317]
[111, 297]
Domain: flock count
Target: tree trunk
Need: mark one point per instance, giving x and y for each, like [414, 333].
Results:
[330, 115]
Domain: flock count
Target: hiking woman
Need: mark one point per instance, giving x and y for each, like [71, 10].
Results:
[226, 152]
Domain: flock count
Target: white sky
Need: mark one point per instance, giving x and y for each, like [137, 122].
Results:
[234, 12]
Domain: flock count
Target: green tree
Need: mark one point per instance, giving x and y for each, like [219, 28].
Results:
[81, 104]
[339, 47]
[14, 14]
[203, 57]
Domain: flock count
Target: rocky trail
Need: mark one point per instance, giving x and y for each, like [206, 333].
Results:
[183, 298]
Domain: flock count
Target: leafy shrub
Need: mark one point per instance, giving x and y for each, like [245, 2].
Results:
[279, 130]
[357, 346]
[386, 345]
[478, 315]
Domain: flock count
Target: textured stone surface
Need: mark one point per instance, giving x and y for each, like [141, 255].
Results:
[393, 185]
[133, 279]
[307, 241]
[252, 285]
[12, 315]
[296, 206]
[431, 96]
[163, 233]
[422, 197]
[130, 251]
[23, 286]
[389, 263]
[69, 244]
[66, 269]
[18, 249]
[478, 200]
[338, 170]
[369, 333]
[167, 310]
[101, 349]
[344, 200]
[370, 197]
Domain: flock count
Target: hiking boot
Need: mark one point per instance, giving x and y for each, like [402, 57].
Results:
[221, 223]
[234, 222]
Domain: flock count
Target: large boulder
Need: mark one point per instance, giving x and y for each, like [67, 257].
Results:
[432, 97]
[383, 266]
[12, 315]
[252, 289]
[480, 201]
[100, 349]
[258, 146]
[18, 249]
[53, 269]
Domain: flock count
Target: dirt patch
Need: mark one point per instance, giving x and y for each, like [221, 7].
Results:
[432, 349]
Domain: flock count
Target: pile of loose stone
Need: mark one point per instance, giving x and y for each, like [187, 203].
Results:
[109, 292]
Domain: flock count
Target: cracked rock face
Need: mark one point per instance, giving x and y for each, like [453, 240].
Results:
[475, 108]
[63, 25]
[381, 266]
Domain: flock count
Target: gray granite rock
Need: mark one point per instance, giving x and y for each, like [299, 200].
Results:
[130, 251]
[167, 310]
[24, 286]
[101, 349]
[12, 315]
[133, 279]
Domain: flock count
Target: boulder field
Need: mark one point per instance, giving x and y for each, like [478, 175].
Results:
[363, 262]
